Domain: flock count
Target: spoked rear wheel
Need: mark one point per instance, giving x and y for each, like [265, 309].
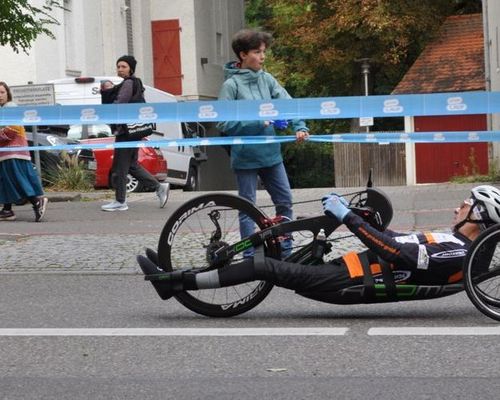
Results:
[482, 272]
[192, 235]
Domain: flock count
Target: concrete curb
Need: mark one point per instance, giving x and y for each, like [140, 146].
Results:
[12, 237]
[298, 194]
[55, 197]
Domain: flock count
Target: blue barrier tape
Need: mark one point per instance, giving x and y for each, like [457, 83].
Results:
[249, 110]
[383, 138]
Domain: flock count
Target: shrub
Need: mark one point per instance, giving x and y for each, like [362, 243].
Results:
[70, 174]
[309, 164]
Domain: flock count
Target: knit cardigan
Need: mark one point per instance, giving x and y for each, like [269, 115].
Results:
[13, 136]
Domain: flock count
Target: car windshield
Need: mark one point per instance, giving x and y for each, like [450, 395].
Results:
[75, 132]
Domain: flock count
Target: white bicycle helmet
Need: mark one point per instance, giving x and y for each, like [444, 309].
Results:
[486, 204]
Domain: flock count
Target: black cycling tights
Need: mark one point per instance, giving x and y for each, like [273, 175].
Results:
[302, 278]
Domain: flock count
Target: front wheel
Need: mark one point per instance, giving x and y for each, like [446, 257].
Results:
[482, 272]
[194, 233]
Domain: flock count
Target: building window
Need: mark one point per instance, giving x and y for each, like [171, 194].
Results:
[69, 33]
[220, 20]
[128, 21]
[220, 48]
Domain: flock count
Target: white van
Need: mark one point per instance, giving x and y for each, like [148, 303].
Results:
[183, 162]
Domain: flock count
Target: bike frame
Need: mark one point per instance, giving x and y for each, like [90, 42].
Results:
[312, 224]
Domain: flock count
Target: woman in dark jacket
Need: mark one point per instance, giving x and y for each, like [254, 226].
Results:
[125, 160]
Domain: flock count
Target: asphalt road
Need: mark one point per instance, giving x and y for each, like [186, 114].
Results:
[78, 321]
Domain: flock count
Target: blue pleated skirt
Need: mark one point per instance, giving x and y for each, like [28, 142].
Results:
[18, 180]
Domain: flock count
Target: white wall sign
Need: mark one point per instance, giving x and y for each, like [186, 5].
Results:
[366, 121]
[33, 95]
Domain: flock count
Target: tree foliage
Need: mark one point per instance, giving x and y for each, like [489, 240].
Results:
[318, 43]
[317, 51]
[21, 23]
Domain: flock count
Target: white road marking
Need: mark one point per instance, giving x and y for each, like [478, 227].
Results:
[311, 331]
[284, 331]
[435, 331]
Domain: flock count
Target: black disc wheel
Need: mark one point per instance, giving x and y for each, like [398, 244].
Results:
[482, 272]
[190, 239]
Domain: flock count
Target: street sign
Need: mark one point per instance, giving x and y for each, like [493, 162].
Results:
[33, 95]
[366, 121]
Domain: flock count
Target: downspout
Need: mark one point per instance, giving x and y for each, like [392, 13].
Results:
[486, 29]
[487, 76]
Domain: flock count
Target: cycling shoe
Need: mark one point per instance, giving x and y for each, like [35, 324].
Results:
[153, 256]
[166, 284]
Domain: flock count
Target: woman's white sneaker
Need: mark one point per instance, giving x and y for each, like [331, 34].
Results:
[162, 193]
[115, 206]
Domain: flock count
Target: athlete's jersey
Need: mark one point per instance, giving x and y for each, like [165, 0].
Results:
[422, 258]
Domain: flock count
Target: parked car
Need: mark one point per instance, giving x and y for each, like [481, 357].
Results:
[149, 157]
[50, 159]
[184, 162]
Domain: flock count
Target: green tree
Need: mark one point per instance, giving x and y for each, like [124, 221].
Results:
[318, 43]
[21, 23]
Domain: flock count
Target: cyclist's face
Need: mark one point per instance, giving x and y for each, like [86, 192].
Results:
[253, 59]
[462, 211]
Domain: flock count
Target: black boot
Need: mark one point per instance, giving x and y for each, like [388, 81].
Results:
[167, 284]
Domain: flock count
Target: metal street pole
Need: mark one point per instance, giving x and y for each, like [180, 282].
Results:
[35, 144]
[365, 70]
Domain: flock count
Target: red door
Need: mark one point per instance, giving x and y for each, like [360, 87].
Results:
[440, 162]
[167, 56]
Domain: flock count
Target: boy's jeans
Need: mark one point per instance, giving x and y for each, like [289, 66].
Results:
[275, 180]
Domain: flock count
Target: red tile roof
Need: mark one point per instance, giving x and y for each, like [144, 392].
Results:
[453, 62]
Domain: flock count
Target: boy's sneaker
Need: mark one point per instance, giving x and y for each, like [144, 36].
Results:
[115, 206]
[40, 208]
[7, 215]
[162, 193]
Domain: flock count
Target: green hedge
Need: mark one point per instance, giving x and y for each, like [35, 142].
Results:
[309, 164]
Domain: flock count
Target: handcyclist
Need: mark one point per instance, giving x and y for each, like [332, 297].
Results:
[391, 258]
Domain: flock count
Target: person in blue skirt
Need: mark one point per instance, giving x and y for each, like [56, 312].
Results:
[18, 178]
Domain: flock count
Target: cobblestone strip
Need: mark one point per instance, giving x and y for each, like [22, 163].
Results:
[98, 254]
[110, 253]
[75, 253]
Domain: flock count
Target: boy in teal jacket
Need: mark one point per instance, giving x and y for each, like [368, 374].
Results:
[246, 80]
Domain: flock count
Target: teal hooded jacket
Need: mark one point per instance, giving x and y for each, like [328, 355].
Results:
[246, 84]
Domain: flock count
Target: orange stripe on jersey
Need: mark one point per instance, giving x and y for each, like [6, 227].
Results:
[429, 237]
[456, 277]
[376, 269]
[353, 264]
[378, 242]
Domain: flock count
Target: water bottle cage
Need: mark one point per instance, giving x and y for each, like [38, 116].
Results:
[320, 248]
